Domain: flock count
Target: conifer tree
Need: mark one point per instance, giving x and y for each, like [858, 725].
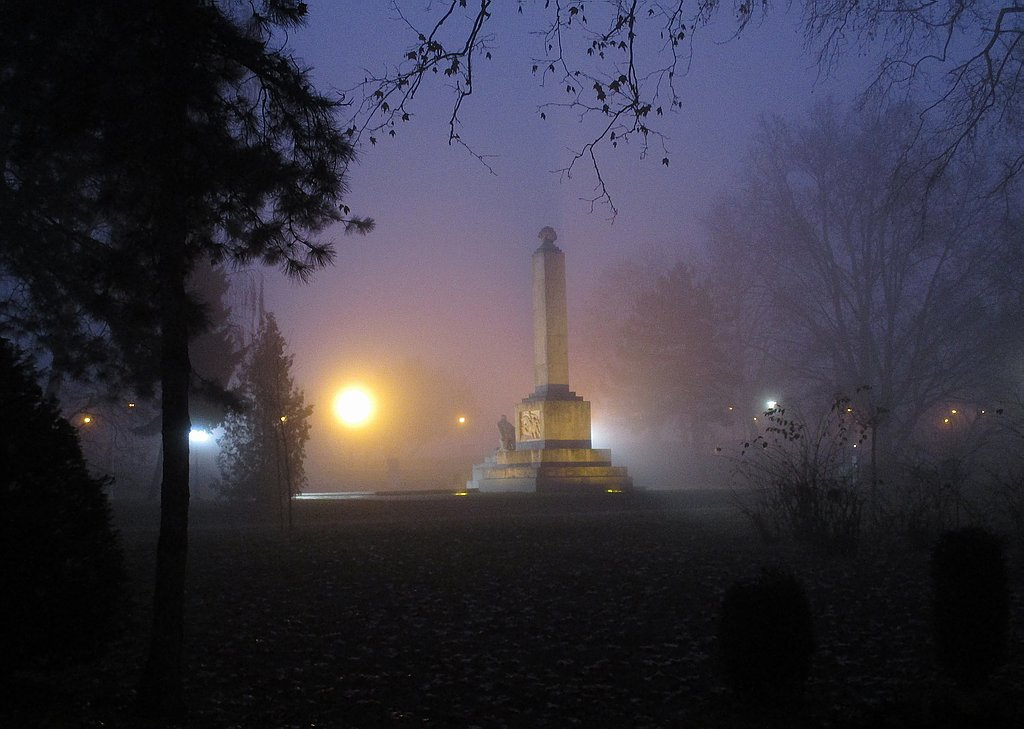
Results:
[264, 445]
[138, 143]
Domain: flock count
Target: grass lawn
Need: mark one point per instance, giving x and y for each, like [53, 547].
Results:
[512, 611]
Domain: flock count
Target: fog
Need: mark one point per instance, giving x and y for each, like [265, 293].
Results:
[444, 280]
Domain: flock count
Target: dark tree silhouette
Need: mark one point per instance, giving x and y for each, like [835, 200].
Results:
[61, 571]
[137, 144]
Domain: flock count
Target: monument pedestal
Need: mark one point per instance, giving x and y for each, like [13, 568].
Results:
[553, 450]
[550, 470]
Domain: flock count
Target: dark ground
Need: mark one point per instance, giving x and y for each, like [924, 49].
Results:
[512, 611]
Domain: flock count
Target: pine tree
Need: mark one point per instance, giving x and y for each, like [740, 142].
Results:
[137, 145]
[264, 445]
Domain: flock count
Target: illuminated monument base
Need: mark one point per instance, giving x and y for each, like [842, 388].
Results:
[549, 470]
[552, 450]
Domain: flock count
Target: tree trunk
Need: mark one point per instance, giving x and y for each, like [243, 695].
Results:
[160, 691]
[160, 688]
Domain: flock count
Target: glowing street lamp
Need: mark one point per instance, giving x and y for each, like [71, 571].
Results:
[354, 406]
[198, 436]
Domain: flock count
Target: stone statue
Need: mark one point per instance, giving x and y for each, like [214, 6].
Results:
[547, 235]
[506, 435]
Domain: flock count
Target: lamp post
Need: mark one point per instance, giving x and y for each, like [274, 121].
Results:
[283, 422]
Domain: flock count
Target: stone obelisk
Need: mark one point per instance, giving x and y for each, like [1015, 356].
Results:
[550, 318]
[553, 416]
[552, 450]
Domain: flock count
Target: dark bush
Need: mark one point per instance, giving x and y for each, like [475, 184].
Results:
[766, 639]
[61, 569]
[970, 604]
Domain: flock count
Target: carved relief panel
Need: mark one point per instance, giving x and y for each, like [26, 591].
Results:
[529, 425]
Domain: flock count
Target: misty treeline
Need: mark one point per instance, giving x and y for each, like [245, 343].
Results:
[615, 68]
[835, 269]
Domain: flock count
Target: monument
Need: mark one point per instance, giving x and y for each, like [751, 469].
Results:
[552, 449]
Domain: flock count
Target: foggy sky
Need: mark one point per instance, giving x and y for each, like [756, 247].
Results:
[445, 277]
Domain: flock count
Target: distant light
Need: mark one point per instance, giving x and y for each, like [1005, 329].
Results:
[86, 419]
[849, 410]
[131, 405]
[461, 493]
[462, 420]
[354, 406]
[945, 420]
[284, 418]
[613, 491]
[772, 404]
[199, 436]
[953, 411]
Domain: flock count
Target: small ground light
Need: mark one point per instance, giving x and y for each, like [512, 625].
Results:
[462, 420]
[86, 419]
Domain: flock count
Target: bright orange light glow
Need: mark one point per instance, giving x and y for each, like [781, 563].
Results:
[354, 406]
[86, 419]
[462, 420]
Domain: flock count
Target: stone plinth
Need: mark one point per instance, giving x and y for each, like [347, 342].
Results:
[548, 422]
[550, 470]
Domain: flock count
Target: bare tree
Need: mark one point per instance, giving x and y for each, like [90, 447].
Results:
[615, 64]
[865, 279]
[963, 59]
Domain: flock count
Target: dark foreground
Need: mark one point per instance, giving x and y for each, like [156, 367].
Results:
[502, 611]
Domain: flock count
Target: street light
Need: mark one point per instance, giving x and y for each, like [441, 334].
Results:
[198, 436]
[354, 406]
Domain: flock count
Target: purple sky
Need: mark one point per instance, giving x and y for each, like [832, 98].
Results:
[445, 277]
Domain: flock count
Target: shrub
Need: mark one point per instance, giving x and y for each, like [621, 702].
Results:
[61, 570]
[970, 604]
[766, 639]
[802, 481]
